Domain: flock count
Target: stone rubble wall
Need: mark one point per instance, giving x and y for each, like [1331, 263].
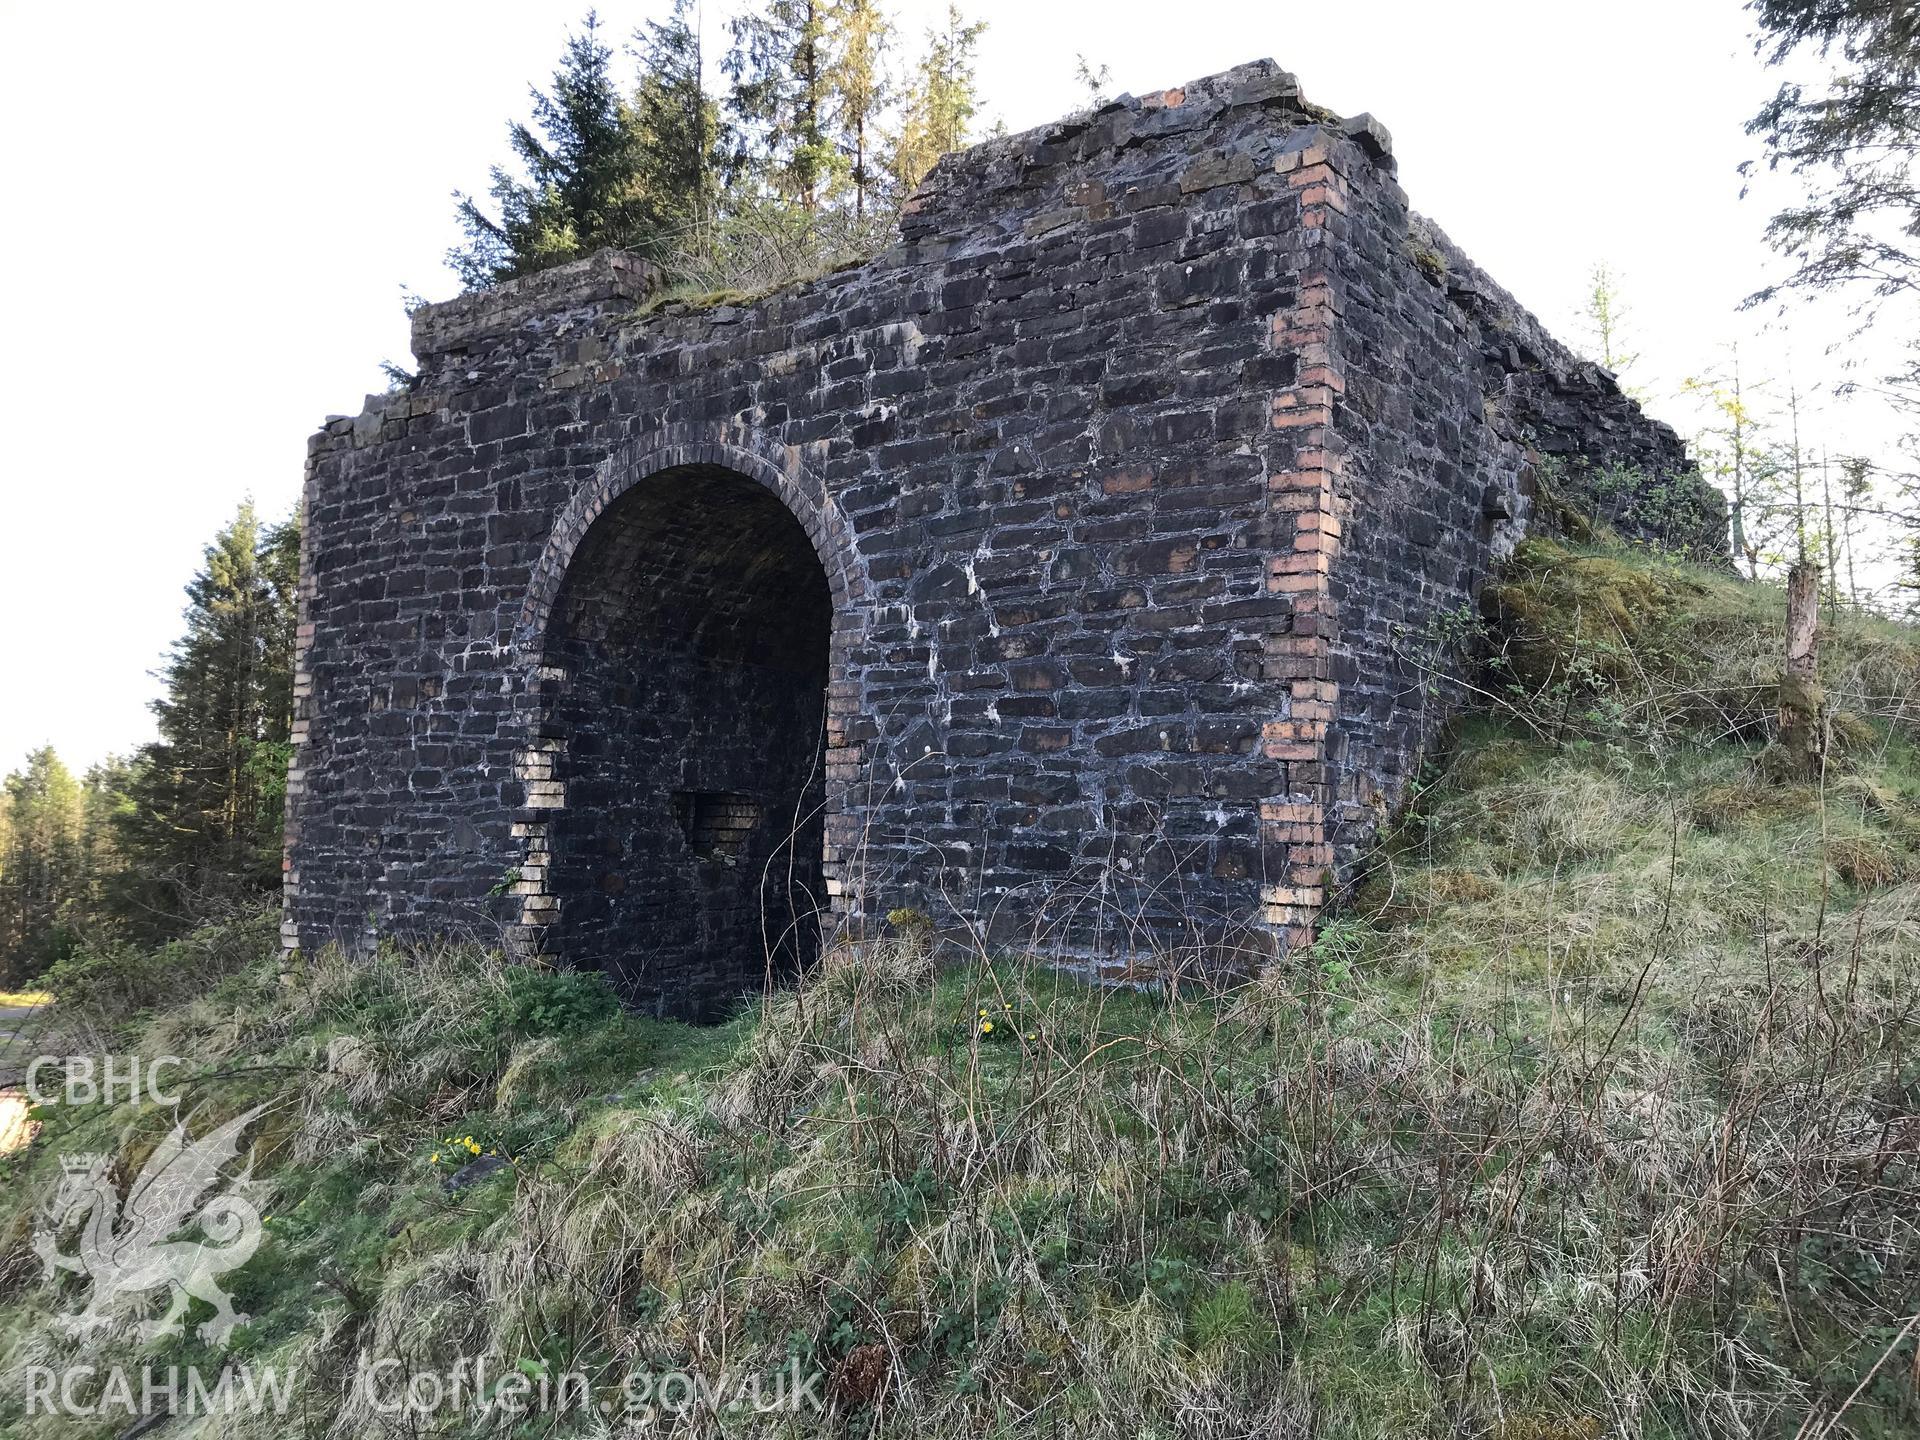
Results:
[1129, 469]
[1459, 413]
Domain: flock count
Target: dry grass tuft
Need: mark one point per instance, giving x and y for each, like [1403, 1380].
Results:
[1594, 1114]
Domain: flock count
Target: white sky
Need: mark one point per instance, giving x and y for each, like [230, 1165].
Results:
[213, 210]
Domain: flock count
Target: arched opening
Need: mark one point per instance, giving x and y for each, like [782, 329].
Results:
[690, 642]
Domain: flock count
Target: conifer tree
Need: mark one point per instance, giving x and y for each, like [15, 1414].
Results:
[1851, 138]
[857, 73]
[941, 102]
[1857, 498]
[41, 867]
[1605, 317]
[7, 909]
[1737, 454]
[782, 97]
[103, 812]
[200, 823]
[581, 191]
[1853, 141]
[680, 154]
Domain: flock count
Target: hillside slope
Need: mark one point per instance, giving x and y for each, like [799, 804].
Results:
[1595, 1112]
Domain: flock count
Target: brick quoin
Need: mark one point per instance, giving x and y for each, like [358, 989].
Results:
[1077, 571]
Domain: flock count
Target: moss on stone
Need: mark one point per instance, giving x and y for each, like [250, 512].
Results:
[1562, 614]
[682, 301]
[1430, 263]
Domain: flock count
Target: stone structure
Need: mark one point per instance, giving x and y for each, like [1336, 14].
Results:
[1077, 571]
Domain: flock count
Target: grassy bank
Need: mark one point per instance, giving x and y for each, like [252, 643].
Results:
[1593, 1113]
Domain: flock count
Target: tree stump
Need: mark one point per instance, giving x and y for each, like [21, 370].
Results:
[1802, 719]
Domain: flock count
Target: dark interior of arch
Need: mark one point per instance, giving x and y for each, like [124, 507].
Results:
[693, 630]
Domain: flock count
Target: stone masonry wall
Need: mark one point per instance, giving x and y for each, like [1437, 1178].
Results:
[1458, 410]
[1124, 477]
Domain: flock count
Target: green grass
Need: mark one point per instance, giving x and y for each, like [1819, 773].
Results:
[691, 297]
[1591, 1114]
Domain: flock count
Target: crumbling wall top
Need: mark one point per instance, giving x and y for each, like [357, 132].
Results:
[963, 182]
[607, 280]
[956, 195]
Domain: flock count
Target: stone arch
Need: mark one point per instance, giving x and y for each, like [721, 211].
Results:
[639, 461]
[684, 644]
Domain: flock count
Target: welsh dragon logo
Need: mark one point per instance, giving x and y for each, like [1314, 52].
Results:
[128, 1248]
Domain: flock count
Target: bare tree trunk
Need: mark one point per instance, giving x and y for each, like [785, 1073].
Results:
[1829, 539]
[1802, 723]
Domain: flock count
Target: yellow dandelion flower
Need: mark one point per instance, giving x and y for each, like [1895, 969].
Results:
[435, 1160]
[986, 1027]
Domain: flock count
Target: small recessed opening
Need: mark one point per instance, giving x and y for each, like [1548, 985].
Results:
[716, 822]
